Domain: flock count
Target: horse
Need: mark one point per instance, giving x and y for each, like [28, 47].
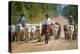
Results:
[45, 32]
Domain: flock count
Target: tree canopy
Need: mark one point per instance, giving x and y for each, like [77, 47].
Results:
[71, 10]
[35, 12]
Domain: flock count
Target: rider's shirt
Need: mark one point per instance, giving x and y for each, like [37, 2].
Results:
[21, 20]
[47, 21]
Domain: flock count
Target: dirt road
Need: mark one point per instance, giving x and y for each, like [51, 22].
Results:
[33, 46]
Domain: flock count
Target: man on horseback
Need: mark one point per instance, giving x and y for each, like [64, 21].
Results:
[21, 20]
[20, 27]
[45, 26]
[71, 20]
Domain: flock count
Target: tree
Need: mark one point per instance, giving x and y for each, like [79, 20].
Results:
[71, 10]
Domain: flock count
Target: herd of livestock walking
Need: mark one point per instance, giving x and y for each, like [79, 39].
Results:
[42, 32]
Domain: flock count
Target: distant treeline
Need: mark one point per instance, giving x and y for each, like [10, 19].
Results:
[71, 10]
[35, 12]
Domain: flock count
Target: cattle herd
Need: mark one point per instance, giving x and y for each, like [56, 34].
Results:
[37, 32]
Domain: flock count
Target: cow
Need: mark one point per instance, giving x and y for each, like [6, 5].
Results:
[75, 34]
[56, 30]
[19, 32]
[12, 31]
[69, 32]
[66, 32]
[16, 32]
[26, 33]
[32, 32]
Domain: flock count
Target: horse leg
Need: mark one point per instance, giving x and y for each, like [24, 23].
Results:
[46, 38]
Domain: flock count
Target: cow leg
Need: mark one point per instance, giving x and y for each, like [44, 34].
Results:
[12, 36]
[38, 36]
[26, 37]
[55, 34]
[22, 36]
[29, 36]
[18, 36]
[15, 37]
[66, 35]
[71, 35]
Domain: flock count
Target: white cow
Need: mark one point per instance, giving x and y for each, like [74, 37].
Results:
[19, 32]
[12, 30]
[55, 30]
[27, 32]
[30, 33]
[71, 31]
